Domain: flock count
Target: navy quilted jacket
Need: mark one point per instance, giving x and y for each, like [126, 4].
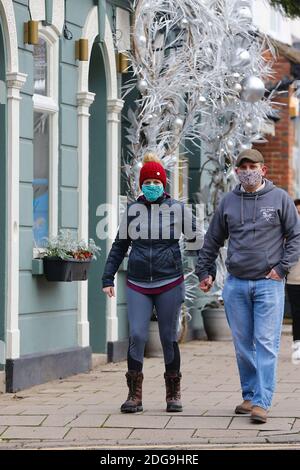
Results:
[156, 257]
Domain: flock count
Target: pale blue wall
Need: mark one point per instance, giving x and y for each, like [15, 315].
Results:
[48, 317]
[48, 310]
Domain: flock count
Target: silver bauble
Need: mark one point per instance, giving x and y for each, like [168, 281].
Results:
[245, 14]
[237, 87]
[142, 86]
[178, 124]
[148, 118]
[230, 144]
[245, 146]
[253, 89]
[184, 23]
[248, 125]
[241, 58]
[141, 40]
[236, 76]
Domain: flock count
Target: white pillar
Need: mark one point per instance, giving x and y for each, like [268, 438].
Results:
[114, 108]
[84, 100]
[15, 82]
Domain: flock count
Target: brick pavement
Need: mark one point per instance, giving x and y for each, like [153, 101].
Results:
[83, 410]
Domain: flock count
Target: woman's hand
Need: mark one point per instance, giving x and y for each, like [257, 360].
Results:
[110, 291]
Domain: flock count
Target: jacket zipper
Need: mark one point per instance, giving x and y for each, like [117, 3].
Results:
[174, 259]
[151, 243]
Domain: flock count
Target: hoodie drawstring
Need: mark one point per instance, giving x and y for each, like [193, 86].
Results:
[242, 209]
[254, 212]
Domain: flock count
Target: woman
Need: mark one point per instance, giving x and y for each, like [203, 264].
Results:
[293, 290]
[152, 226]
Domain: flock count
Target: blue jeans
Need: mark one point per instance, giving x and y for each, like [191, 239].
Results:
[254, 311]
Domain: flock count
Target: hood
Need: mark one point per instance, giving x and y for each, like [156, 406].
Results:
[269, 186]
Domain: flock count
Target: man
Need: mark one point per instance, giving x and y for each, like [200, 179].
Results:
[262, 225]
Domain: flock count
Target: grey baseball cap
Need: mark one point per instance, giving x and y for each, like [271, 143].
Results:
[250, 154]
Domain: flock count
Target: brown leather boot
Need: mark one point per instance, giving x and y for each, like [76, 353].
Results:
[173, 395]
[133, 404]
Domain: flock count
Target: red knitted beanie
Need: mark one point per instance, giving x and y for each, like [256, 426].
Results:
[152, 169]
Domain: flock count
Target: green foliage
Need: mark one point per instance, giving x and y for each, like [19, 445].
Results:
[290, 8]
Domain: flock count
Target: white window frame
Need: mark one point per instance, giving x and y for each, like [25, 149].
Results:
[49, 105]
[275, 21]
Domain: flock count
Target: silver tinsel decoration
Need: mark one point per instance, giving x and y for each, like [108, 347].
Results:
[199, 68]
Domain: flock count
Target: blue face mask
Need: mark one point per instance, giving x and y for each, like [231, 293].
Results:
[152, 191]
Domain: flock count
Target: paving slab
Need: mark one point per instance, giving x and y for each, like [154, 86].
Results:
[84, 410]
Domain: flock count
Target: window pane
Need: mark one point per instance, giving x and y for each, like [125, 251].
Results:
[41, 178]
[40, 67]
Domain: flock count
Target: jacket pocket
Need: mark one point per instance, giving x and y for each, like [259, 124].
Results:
[176, 256]
[248, 264]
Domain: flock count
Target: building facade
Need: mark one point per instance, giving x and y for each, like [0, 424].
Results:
[60, 149]
[282, 151]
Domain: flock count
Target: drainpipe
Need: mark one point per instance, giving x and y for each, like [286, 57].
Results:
[48, 12]
[101, 19]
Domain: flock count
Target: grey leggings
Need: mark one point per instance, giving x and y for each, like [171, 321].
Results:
[140, 309]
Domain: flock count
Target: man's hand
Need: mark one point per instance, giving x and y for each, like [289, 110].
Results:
[206, 284]
[273, 275]
[110, 291]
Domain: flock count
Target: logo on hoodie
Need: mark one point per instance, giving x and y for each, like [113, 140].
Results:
[268, 213]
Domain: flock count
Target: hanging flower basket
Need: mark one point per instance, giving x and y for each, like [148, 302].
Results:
[66, 259]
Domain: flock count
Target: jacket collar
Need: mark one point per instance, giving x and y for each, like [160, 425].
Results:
[158, 201]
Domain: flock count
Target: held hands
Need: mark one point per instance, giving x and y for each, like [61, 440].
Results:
[273, 275]
[206, 284]
[110, 291]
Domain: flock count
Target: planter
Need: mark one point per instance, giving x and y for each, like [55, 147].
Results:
[57, 269]
[215, 324]
[153, 346]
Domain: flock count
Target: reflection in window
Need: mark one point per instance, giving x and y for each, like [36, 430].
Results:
[40, 67]
[41, 178]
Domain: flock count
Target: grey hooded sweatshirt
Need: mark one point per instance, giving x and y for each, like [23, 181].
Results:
[263, 231]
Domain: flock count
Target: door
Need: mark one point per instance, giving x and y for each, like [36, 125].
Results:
[97, 196]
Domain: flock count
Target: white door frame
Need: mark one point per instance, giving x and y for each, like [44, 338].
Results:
[14, 81]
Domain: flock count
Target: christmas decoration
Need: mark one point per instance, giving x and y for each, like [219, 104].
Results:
[200, 69]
